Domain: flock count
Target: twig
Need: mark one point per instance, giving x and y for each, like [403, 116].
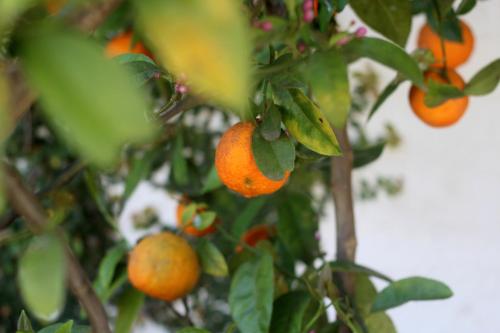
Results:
[26, 204]
[341, 169]
[183, 105]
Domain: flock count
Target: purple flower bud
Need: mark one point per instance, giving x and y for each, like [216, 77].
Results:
[301, 47]
[266, 26]
[307, 5]
[343, 41]
[309, 16]
[181, 88]
[360, 32]
[317, 236]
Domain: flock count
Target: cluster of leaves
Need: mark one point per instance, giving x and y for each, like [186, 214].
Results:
[298, 96]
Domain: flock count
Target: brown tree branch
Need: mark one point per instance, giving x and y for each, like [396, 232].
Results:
[24, 202]
[341, 169]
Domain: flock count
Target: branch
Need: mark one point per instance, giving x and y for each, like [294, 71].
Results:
[341, 169]
[27, 205]
[185, 104]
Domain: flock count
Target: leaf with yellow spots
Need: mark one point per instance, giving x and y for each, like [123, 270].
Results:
[206, 42]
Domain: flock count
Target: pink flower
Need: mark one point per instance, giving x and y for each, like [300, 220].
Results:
[266, 26]
[301, 47]
[343, 41]
[307, 5]
[309, 16]
[181, 88]
[360, 32]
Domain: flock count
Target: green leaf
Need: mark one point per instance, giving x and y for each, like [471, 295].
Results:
[485, 81]
[212, 260]
[212, 182]
[66, 327]
[367, 154]
[326, 9]
[327, 74]
[392, 18]
[270, 127]
[204, 220]
[410, 289]
[179, 163]
[141, 166]
[465, 6]
[209, 44]
[297, 224]
[189, 213]
[107, 268]
[350, 267]
[439, 93]
[96, 192]
[193, 330]
[251, 295]
[305, 121]
[387, 54]
[128, 58]
[97, 109]
[245, 218]
[449, 25]
[388, 90]
[42, 277]
[129, 306]
[289, 311]
[74, 329]
[24, 323]
[274, 158]
[141, 67]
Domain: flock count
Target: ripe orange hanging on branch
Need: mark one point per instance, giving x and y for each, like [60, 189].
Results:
[236, 164]
[446, 113]
[164, 266]
[188, 226]
[457, 53]
[256, 234]
[124, 43]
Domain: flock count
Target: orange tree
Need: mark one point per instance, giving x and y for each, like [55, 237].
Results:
[248, 103]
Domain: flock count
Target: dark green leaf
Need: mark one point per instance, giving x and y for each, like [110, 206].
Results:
[251, 295]
[245, 218]
[387, 54]
[367, 154]
[439, 93]
[133, 57]
[388, 90]
[350, 267]
[141, 166]
[212, 260]
[340, 5]
[142, 67]
[97, 109]
[129, 306]
[297, 224]
[270, 128]
[392, 18]
[326, 9]
[204, 220]
[107, 268]
[24, 323]
[465, 6]
[289, 310]
[212, 182]
[96, 192]
[485, 81]
[305, 121]
[274, 158]
[448, 27]
[193, 330]
[42, 277]
[327, 74]
[74, 329]
[179, 163]
[410, 289]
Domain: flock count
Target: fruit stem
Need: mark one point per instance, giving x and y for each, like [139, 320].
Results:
[443, 70]
[341, 170]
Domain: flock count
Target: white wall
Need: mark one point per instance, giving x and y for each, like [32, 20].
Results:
[446, 223]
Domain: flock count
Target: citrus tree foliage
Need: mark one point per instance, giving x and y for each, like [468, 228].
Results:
[149, 93]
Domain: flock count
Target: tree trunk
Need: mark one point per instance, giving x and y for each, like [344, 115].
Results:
[341, 169]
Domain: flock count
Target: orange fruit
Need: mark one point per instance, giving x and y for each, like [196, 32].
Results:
[236, 164]
[163, 266]
[54, 6]
[188, 228]
[456, 52]
[123, 43]
[446, 113]
[256, 234]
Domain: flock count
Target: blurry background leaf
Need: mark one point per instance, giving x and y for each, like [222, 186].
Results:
[141, 166]
[410, 289]
[247, 215]
[107, 268]
[251, 295]
[351, 267]
[438, 93]
[129, 306]
[305, 121]
[392, 18]
[465, 6]
[289, 310]
[485, 81]
[42, 277]
[24, 324]
[193, 330]
[205, 41]
[96, 110]
[142, 67]
[273, 158]
[387, 54]
[212, 260]
[74, 329]
[327, 74]
[179, 164]
[367, 154]
[11, 9]
[212, 181]
[3, 129]
[382, 97]
[270, 127]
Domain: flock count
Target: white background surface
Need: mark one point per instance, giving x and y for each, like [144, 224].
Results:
[446, 223]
